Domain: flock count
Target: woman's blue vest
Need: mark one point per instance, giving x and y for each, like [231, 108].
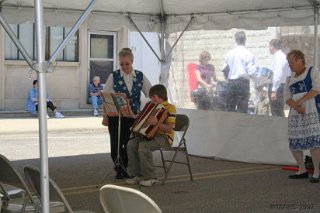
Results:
[119, 85]
[305, 85]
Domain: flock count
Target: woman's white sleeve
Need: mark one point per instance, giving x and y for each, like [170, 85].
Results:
[315, 77]
[286, 91]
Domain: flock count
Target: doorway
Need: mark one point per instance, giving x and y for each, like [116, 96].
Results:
[102, 54]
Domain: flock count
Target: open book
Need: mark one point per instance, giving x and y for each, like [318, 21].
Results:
[114, 103]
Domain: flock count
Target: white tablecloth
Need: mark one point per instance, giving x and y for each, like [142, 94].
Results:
[238, 137]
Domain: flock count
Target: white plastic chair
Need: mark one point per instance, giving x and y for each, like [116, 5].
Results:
[119, 199]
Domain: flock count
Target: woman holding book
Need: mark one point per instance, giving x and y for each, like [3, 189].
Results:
[131, 82]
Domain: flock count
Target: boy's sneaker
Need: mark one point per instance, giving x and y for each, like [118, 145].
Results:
[133, 181]
[95, 112]
[149, 182]
[59, 115]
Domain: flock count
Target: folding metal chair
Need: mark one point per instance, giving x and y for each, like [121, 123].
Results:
[58, 202]
[121, 199]
[182, 125]
[15, 194]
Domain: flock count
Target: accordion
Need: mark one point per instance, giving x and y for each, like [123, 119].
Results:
[142, 128]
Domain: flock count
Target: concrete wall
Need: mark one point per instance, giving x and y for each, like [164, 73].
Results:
[62, 85]
[67, 82]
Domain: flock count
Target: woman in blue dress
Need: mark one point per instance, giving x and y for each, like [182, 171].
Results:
[302, 96]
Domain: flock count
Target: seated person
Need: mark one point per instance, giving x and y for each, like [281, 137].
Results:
[203, 78]
[140, 164]
[32, 102]
[94, 94]
[205, 72]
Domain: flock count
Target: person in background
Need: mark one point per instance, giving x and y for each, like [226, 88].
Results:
[205, 78]
[94, 94]
[281, 71]
[238, 66]
[32, 102]
[139, 150]
[205, 73]
[131, 82]
[301, 93]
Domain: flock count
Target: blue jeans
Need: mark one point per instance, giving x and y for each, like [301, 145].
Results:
[95, 101]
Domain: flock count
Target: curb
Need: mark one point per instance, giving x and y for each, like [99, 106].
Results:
[58, 131]
[29, 125]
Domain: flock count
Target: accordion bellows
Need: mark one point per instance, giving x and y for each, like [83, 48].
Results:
[142, 128]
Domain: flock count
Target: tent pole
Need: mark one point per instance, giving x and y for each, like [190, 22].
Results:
[316, 43]
[175, 43]
[163, 21]
[72, 32]
[165, 66]
[162, 49]
[144, 38]
[42, 108]
[16, 41]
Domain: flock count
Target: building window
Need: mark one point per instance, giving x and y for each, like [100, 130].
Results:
[53, 38]
[102, 54]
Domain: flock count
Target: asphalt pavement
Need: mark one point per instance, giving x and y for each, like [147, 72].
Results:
[80, 163]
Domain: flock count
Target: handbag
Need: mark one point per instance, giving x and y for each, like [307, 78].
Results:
[105, 120]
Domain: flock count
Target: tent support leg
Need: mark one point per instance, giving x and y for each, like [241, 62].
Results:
[162, 38]
[144, 38]
[316, 43]
[164, 56]
[43, 134]
[175, 43]
[165, 65]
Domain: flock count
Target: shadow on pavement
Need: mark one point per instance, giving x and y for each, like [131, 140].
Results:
[218, 186]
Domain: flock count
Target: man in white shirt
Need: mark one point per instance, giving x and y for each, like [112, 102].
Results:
[281, 71]
[239, 65]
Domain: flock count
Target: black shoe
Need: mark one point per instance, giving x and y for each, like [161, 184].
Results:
[125, 174]
[118, 171]
[314, 180]
[119, 175]
[299, 176]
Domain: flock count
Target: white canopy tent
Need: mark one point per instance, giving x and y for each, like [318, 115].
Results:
[175, 15]
[168, 16]
[145, 15]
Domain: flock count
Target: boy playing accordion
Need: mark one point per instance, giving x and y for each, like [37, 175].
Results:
[139, 150]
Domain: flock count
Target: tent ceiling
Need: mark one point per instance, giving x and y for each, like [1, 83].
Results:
[209, 14]
[171, 7]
